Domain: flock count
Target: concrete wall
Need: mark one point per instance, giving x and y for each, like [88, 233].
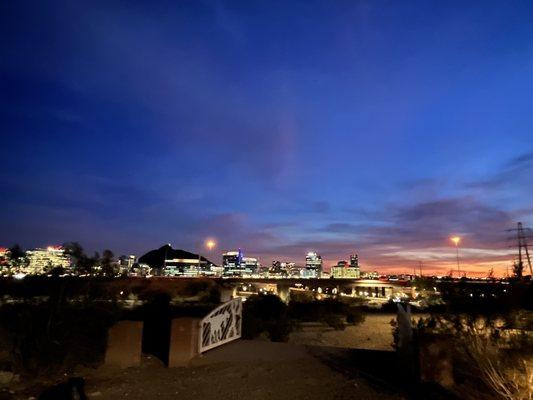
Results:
[124, 344]
[184, 337]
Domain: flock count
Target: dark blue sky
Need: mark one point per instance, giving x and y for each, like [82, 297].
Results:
[374, 126]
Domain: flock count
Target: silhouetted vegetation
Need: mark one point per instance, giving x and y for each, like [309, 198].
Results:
[487, 297]
[51, 324]
[492, 354]
[110, 289]
[332, 312]
[51, 335]
[266, 314]
[16, 252]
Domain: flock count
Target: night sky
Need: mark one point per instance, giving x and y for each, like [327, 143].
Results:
[381, 127]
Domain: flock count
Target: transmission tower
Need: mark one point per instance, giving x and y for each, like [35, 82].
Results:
[522, 234]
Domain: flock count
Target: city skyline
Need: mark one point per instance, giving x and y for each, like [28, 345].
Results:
[210, 251]
[277, 128]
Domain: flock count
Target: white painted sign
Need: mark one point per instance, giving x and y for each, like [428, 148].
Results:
[222, 325]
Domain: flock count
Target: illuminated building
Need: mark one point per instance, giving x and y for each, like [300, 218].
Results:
[345, 270]
[140, 270]
[279, 269]
[313, 265]
[355, 271]
[370, 275]
[294, 270]
[126, 263]
[251, 265]
[188, 267]
[170, 262]
[43, 260]
[231, 261]
[4, 262]
[235, 264]
[338, 270]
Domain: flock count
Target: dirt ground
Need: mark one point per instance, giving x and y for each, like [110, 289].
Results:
[250, 370]
[375, 333]
[239, 370]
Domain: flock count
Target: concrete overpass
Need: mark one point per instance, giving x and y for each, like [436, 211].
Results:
[232, 287]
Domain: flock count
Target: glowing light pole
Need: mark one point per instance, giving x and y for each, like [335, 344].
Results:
[456, 240]
[210, 245]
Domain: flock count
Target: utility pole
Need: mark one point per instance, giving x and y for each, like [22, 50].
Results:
[456, 240]
[523, 248]
[457, 253]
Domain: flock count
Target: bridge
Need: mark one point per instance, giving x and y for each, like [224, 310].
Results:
[244, 287]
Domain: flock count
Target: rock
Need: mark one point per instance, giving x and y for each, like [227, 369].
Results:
[95, 394]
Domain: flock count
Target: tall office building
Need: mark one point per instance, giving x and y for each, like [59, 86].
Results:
[251, 265]
[354, 266]
[235, 264]
[313, 265]
[231, 261]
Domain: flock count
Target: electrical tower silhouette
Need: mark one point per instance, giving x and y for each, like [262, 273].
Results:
[522, 234]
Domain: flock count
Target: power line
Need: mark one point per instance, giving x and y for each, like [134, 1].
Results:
[523, 248]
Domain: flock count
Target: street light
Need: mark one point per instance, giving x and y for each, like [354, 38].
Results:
[210, 245]
[456, 240]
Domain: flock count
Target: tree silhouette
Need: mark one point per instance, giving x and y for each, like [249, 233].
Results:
[16, 252]
[518, 269]
[75, 251]
[107, 263]
[82, 263]
[91, 263]
[17, 256]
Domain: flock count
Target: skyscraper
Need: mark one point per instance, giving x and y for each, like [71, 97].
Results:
[235, 264]
[355, 271]
[313, 265]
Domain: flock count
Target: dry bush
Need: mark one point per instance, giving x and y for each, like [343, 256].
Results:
[504, 366]
[493, 354]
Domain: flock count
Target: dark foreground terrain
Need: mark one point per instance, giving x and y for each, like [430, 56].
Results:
[240, 370]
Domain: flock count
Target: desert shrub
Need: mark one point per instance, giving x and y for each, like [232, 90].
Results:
[266, 314]
[355, 315]
[46, 337]
[493, 354]
[335, 321]
[331, 312]
[508, 373]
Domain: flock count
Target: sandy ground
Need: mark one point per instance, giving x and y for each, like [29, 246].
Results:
[240, 370]
[375, 333]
